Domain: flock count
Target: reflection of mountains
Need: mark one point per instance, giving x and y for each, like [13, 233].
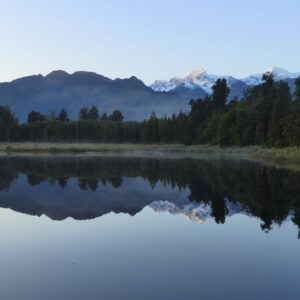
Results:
[88, 187]
[195, 211]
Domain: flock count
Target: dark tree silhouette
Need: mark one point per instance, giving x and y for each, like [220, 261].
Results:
[116, 116]
[63, 116]
[93, 113]
[35, 116]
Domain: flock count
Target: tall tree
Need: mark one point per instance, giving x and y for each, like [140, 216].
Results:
[116, 116]
[7, 116]
[104, 116]
[268, 82]
[220, 92]
[279, 113]
[35, 116]
[297, 90]
[8, 124]
[93, 114]
[83, 113]
[63, 116]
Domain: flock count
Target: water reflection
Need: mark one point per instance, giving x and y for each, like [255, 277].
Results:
[89, 187]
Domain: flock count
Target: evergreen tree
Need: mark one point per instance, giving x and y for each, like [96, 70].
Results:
[7, 116]
[83, 113]
[93, 113]
[52, 116]
[116, 116]
[292, 126]
[63, 116]
[35, 116]
[279, 113]
[104, 117]
[220, 92]
[152, 129]
[8, 124]
[297, 89]
[268, 82]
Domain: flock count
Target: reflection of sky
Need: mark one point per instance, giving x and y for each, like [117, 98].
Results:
[149, 256]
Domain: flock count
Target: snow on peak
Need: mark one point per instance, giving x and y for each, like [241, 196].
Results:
[194, 79]
[254, 79]
[163, 85]
[195, 74]
[200, 78]
[280, 73]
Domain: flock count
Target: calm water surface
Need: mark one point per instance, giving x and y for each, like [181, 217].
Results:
[145, 228]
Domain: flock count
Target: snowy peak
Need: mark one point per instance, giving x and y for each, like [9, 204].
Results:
[278, 73]
[194, 79]
[201, 80]
[193, 75]
[198, 78]
[281, 74]
[254, 79]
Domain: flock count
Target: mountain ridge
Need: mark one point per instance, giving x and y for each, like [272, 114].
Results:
[200, 78]
[60, 89]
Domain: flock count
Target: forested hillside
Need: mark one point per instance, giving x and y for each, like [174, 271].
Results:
[268, 114]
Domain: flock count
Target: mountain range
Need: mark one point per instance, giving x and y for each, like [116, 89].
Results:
[59, 90]
[201, 82]
[136, 100]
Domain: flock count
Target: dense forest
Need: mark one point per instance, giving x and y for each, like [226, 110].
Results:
[268, 114]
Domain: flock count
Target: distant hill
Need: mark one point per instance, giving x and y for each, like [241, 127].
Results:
[72, 91]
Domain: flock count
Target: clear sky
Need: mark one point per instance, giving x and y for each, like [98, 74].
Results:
[151, 39]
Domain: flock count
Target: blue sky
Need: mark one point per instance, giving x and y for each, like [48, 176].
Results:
[149, 39]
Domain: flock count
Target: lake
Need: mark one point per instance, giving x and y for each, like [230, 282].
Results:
[108, 227]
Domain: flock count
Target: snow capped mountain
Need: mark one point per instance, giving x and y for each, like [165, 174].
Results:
[278, 73]
[163, 85]
[254, 79]
[201, 82]
[282, 74]
[194, 79]
[202, 78]
[166, 86]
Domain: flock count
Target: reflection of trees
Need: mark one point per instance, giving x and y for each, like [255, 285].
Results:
[218, 207]
[265, 192]
[7, 174]
[62, 181]
[34, 180]
[116, 182]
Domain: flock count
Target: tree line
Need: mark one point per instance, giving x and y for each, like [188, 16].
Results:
[268, 114]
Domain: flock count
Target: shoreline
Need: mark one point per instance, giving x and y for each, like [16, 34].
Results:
[82, 148]
[288, 157]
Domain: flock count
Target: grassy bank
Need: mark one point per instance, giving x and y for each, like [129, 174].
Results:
[73, 147]
[285, 157]
[95, 148]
